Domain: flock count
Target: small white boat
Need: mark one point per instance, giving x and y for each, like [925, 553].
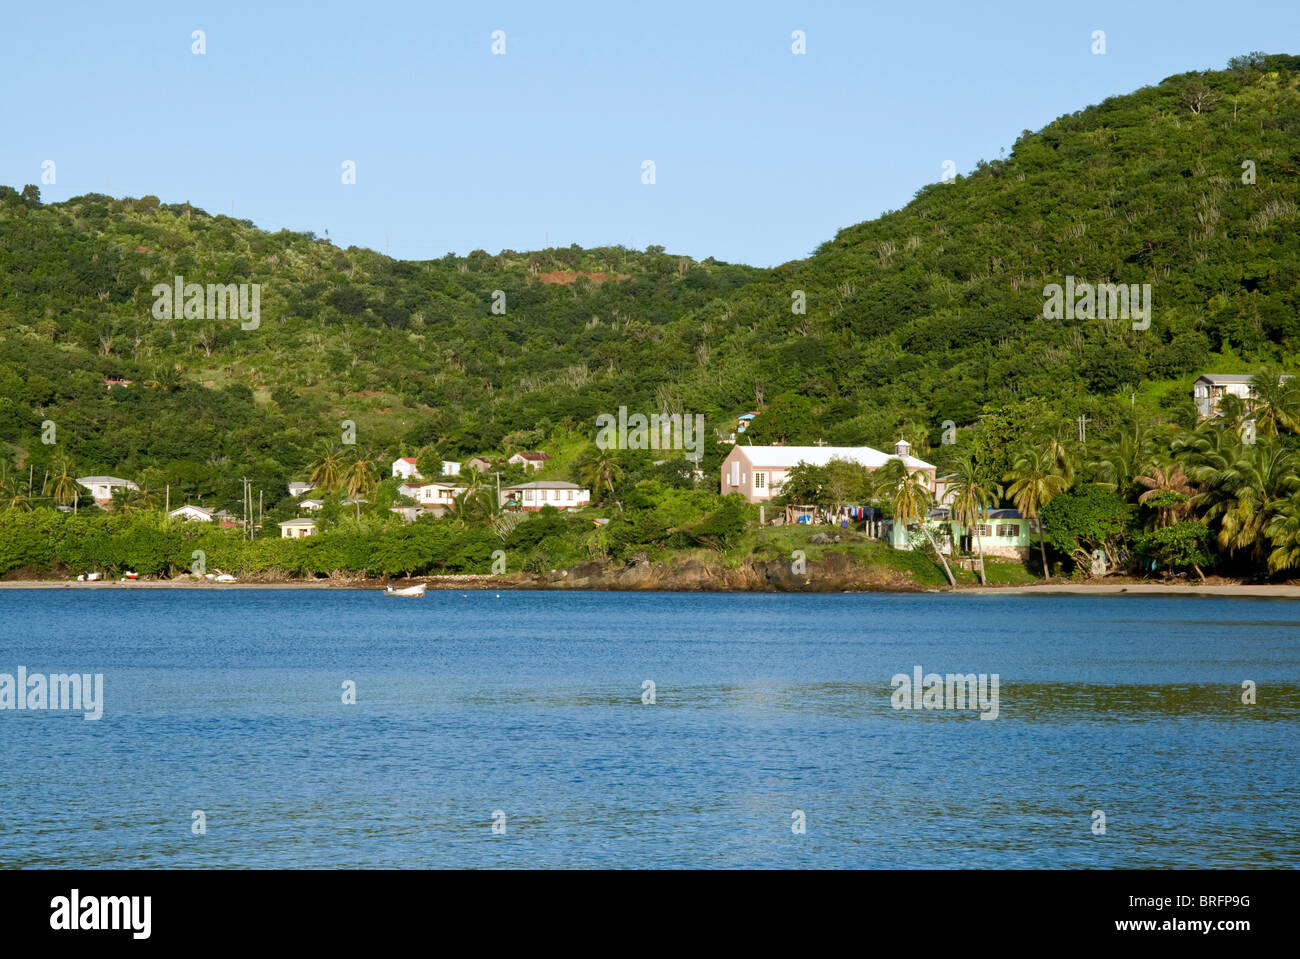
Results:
[88, 577]
[225, 578]
[414, 591]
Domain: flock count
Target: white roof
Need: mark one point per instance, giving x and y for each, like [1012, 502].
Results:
[785, 457]
[105, 481]
[545, 484]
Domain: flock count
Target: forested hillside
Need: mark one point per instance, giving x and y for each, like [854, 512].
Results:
[929, 315]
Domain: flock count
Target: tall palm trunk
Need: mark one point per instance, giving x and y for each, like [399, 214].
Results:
[938, 552]
[979, 548]
[1042, 550]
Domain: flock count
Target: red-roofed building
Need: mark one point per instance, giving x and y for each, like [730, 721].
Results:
[405, 467]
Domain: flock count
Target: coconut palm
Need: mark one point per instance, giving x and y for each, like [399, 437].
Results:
[604, 470]
[359, 479]
[1245, 494]
[63, 485]
[1035, 480]
[1275, 402]
[910, 498]
[1234, 413]
[972, 495]
[1121, 458]
[13, 492]
[1167, 491]
[327, 470]
[1284, 535]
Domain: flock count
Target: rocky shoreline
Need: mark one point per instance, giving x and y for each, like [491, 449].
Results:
[831, 573]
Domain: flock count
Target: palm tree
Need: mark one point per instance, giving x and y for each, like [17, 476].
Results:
[1035, 480]
[359, 479]
[327, 471]
[1168, 491]
[972, 497]
[1284, 535]
[1234, 413]
[65, 486]
[476, 501]
[12, 495]
[1064, 452]
[604, 470]
[1246, 493]
[1121, 459]
[1275, 402]
[910, 497]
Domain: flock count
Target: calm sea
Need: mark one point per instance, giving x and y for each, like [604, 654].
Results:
[525, 709]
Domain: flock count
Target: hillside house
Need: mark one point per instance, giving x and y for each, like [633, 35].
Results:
[742, 424]
[102, 487]
[480, 463]
[450, 468]
[1210, 388]
[311, 505]
[434, 497]
[191, 514]
[297, 528]
[757, 472]
[300, 489]
[404, 466]
[533, 496]
[534, 460]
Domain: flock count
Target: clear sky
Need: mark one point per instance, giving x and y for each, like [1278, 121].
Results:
[760, 154]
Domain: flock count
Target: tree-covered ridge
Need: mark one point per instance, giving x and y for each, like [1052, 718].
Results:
[929, 315]
[411, 352]
[934, 311]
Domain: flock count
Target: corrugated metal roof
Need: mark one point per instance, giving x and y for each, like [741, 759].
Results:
[785, 457]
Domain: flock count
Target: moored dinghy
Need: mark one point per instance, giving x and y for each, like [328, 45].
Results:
[415, 591]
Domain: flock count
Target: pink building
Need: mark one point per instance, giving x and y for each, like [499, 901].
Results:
[757, 472]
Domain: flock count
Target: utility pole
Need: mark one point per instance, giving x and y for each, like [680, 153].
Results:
[243, 505]
[1083, 429]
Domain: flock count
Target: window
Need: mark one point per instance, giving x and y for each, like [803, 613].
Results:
[760, 480]
[1009, 531]
[982, 530]
[528, 495]
[735, 472]
[570, 495]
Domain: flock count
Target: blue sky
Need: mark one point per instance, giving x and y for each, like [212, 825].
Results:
[760, 154]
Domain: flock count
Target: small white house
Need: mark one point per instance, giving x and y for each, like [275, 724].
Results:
[300, 489]
[450, 468]
[435, 496]
[404, 466]
[311, 505]
[297, 528]
[533, 460]
[102, 487]
[191, 514]
[533, 496]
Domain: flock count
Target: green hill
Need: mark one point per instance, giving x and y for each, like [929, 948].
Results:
[929, 314]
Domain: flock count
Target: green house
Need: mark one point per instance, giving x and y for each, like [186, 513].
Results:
[1004, 532]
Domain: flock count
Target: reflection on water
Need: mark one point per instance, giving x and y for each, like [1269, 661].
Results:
[230, 702]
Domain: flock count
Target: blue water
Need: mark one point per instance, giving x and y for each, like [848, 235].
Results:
[530, 703]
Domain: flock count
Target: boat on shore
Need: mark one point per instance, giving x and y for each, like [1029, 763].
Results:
[410, 591]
